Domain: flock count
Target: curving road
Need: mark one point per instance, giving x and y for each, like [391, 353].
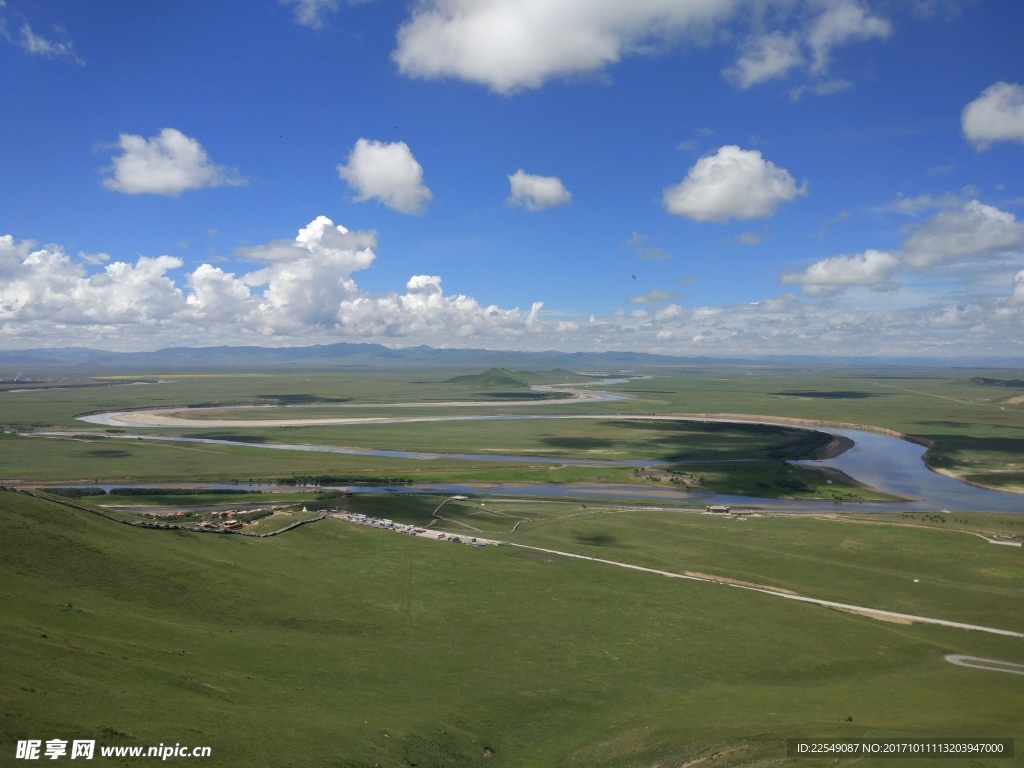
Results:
[991, 665]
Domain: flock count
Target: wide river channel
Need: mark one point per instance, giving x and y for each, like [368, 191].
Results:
[882, 461]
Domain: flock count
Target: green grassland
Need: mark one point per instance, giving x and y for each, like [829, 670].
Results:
[862, 559]
[975, 430]
[341, 645]
[126, 461]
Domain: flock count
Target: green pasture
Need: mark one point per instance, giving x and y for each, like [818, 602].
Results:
[863, 559]
[130, 461]
[342, 645]
[766, 478]
[974, 428]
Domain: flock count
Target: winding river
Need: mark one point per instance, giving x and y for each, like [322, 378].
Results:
[882, 461]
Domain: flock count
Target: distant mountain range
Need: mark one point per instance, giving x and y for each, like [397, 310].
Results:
[347, 355]
[343, 355]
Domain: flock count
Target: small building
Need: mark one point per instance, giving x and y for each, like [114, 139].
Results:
[717, 509]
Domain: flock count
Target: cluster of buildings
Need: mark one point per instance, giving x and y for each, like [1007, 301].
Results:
[379, 522]
[724, 509]
[410, 530]
[229, 525]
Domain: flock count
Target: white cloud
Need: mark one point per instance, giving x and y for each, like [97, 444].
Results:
[747, 238]
[51, 49]
[508, 45]
[535, 193]
[643, 251]
[778, 305]
[45, 286]
[924, 202]
[732, 184]
[166, 164]
[831, 276]
[823, 88]
[841, 22]
[310, 13]
[1017, 298]
[764, 58]
[653, 296]
[996, 115]
[773, 55]
[320, 238]
[388, 173]
[977, 230]
[303, 292]
[93, 258]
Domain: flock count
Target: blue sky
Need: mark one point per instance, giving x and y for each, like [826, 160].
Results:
[678, 176]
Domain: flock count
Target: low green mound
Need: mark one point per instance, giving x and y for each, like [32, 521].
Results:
[492, 377]
[1013, 383]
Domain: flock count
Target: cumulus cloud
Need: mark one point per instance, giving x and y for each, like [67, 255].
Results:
[841, 22]
[765, 57]
[166, 164]
[535, 193]
[996, 115]
[310, 13]
[302, 291]
[733, 183]
[508, 45]
[832, 275]
[45, 285]
[388, 173]
[976, 230]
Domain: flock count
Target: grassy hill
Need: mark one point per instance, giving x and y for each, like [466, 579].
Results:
[338, 645]
[492, 377]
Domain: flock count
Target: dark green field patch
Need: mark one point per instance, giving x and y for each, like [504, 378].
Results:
[303, 398]
[108, 453]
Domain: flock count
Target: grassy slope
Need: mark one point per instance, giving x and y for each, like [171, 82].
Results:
[341, 645]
